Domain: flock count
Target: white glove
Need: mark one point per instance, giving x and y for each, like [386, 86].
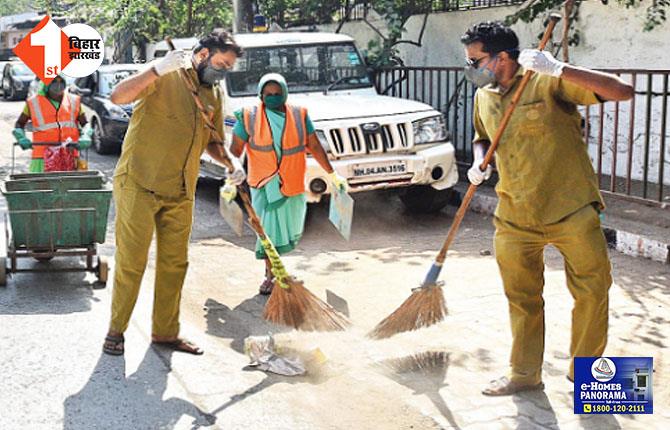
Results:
[172, 61]
[476, 176]
[339, 182]
[541, 62]
[237, 176]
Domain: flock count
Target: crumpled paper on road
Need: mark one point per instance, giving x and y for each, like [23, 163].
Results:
[262, 353]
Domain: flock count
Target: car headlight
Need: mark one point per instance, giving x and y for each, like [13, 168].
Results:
[18, 85]
[323, 140]
[115, 112]
[427, 130]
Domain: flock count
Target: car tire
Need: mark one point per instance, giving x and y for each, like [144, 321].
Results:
[12, 93]
[426, 199]
[100, 144]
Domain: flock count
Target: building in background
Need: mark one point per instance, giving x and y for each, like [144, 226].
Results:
[13, 28]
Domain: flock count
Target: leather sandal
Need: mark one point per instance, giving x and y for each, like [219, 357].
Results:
[266, 287]
[113, 345]
[504, 387]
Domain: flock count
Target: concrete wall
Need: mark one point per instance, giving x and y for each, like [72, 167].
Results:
[611, 36]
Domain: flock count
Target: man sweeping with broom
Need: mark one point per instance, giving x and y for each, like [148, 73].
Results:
[548, 192]
[155, 181]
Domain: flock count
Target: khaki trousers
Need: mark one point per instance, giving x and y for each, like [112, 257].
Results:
[520, 257]
[139, 213]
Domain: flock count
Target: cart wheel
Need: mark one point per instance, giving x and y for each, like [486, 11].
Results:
[102, 270]
[3, 272]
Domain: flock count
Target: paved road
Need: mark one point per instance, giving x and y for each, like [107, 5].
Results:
[54, 375]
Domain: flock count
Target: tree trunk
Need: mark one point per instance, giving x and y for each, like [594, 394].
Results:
[189, 19]
[243, 11]
[565, 42]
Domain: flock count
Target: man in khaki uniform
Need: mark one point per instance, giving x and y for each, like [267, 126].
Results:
[547, 190]
[155, 180]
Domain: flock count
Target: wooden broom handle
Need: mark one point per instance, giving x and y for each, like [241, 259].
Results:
[254, 221]
[467, 198]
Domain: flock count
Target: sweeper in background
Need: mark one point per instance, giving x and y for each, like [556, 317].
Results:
[547, 189]
[277, 137]
[56, 116]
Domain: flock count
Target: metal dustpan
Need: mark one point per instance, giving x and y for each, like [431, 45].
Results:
[231, 212]
[341, 212]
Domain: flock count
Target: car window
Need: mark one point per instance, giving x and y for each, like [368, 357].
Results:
[305, 68]
[85, 82]
[108, 80]
[21, 70]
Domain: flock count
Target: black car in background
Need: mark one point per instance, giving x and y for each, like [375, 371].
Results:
[16, 78]
[108, 120]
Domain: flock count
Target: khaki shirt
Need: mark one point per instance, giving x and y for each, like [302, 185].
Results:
[542, 160]
[167, 136]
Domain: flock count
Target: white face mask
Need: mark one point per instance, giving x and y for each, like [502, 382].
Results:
[480, 76]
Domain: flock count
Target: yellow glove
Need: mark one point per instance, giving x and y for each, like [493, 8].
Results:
[228, 192]
[339, 182]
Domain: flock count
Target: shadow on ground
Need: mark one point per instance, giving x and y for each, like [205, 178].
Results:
[246, 319]
[110, 400]
[52, 293]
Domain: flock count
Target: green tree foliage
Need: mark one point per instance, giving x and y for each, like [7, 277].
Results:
[134, 22]
[300, 12]
[15, 6]
[656, 12]
[395, 14]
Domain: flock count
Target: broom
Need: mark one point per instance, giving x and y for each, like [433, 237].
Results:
[291, 304]
[426, 305]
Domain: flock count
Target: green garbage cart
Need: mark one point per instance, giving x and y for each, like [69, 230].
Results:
[55, 214]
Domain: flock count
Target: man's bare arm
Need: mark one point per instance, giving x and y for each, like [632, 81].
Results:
[128, 89]
[605, 85]
[479, 149]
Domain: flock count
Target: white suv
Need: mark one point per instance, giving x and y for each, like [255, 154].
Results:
[374, 141]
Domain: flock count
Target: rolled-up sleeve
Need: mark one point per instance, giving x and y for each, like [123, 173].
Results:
[573, 93]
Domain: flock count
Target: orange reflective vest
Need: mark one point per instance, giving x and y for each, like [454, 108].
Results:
[51, 124]
[263, 163]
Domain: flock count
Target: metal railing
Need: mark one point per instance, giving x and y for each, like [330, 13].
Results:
[356, 10]
[628, 142]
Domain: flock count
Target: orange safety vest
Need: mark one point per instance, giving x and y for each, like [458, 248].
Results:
[51, 124]
[263, 163]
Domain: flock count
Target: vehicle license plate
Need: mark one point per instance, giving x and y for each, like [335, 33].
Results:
[379, 169]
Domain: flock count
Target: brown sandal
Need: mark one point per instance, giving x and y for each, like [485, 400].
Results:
[266, 287]
[504, 387]
[113, 345]
[180, 345]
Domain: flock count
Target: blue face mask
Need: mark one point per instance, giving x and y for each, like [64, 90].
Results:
[273, 101]
[481, 76]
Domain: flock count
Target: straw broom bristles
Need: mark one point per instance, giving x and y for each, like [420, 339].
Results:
[425, 307]
[293, 305]
[297, 307]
